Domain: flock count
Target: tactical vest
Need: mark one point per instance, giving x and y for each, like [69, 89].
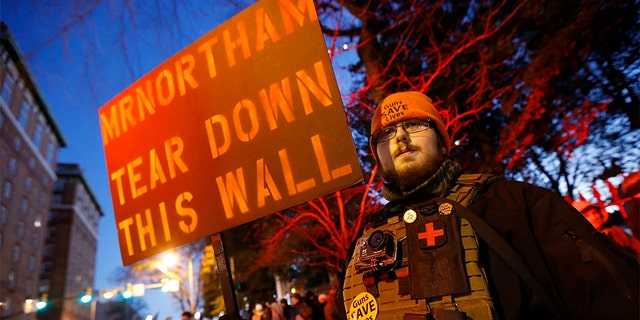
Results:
[433, 270]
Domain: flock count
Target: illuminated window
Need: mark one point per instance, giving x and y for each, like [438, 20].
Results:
[44, 285]
[37, 222]
[11, 279]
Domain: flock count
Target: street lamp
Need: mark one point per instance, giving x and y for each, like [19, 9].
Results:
[170, 260]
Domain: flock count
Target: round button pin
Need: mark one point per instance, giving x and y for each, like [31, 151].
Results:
[410, 216]
[445, 209]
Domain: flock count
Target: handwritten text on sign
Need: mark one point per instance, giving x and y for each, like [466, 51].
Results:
[244, 122]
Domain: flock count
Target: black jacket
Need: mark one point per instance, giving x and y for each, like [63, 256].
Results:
[577, 267]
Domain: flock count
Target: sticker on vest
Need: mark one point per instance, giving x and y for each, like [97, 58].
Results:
[363, 307]
[434, 235]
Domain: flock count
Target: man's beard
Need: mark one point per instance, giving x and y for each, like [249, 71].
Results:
[413, 175]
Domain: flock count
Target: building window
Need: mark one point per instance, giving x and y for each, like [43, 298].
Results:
[49, 152]
[32, 263]
[51, 233]
[17, 251]
[37, 135]
[7, 190]
[45, 181]
[24, 206]
[46, 267]
[28, 289]
[13, 166]
[7, 87]
[35, 241]
[44, 286]
[56, 199]
[11, 279]
[17, 144]
[49, 250]
[20, 230]
[42, 199]
[25, 112]
[3, 215]
[28, 185]
[58, 186]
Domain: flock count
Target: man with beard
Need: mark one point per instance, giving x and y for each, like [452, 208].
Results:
[473, 246]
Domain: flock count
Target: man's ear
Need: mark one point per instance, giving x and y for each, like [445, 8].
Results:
[443, 150]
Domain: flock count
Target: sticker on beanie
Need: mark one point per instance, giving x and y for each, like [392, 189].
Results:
[393, 110]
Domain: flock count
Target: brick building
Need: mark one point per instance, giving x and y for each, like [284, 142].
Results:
[29, 144]
[68, 261]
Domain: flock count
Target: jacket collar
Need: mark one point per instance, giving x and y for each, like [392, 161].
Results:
[438, 185]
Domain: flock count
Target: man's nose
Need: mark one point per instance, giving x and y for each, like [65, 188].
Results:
[401, 134]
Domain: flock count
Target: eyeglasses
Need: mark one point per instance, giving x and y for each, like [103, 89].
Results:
[410, 126]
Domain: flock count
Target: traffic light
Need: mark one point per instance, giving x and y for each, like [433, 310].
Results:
[165, 284]
[170, 285]
[42, 303]
[87, 296]
[208, 261]
[128, 293]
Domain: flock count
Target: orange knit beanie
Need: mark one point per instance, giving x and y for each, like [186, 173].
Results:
[403, 106]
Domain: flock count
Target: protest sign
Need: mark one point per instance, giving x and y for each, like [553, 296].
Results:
[246, 121]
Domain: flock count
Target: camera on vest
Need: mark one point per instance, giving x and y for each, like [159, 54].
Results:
[378, 251]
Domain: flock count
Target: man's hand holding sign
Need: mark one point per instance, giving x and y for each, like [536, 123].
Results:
[244, 122]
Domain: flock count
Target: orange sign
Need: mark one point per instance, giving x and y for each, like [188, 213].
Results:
[244, 122]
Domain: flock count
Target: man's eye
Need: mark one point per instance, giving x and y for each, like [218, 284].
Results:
[414, 125]
[387, 132]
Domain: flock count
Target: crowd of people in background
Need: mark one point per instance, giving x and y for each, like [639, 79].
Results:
[302, 307]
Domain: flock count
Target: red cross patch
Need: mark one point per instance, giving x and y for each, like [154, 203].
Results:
[434, 235]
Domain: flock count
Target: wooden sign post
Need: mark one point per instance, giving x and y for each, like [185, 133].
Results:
[226, 279]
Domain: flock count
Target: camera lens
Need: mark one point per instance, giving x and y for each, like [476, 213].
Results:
[377, 240]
